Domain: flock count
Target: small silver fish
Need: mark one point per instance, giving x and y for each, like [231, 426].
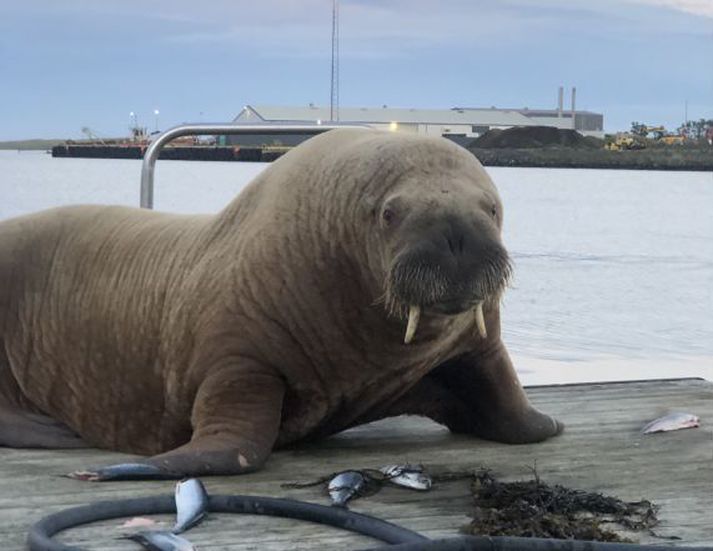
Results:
[345, 486]
[672, 421]
[161, 541]
[408, 476]
[122, 471]
[191, 504]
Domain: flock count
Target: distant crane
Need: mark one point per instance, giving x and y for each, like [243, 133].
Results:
[91, 135]
[334, 90]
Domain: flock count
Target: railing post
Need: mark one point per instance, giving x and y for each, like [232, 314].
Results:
[154, 149]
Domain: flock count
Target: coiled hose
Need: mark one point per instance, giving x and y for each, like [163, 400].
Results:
[398, 538]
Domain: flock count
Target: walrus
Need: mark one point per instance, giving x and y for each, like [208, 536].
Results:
[358, 277]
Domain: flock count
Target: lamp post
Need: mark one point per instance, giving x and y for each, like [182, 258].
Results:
[155, 112]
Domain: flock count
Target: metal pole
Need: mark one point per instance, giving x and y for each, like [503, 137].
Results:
[153, 150]
[334, 90]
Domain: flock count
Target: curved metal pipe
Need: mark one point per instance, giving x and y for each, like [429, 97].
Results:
[206, 129]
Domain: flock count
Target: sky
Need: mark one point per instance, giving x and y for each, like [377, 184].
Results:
[70, 64]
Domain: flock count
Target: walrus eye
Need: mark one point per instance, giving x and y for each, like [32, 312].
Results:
[494, 211]
[388, 215]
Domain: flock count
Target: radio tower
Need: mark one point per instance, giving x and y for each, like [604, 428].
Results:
[334, 99]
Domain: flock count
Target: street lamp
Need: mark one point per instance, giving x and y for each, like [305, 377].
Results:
[155, 112]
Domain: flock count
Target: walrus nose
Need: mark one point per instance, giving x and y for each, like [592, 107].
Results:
[455, 237]
[455, 244]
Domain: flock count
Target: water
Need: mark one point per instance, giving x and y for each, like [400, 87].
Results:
[613, 269]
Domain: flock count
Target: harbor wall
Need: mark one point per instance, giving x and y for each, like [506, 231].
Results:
[183, 153]
[669, 158]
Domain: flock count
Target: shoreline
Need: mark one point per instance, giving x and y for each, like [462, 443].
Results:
[538, 371]
[660, 158]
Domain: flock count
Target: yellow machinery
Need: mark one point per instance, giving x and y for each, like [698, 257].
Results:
[624, 141]
[672, 139]
[662, 135]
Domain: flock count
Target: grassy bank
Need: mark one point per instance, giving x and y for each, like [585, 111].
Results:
[668, 158]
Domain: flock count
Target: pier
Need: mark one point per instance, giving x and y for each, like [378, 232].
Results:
[601, 450]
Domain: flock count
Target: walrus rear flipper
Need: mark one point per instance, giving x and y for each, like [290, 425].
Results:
[22, 429]
[236, 419]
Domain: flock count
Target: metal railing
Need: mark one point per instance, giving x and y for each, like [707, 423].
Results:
[207, 129]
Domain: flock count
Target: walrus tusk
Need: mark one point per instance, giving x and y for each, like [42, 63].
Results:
[414, 314]
[480, 320]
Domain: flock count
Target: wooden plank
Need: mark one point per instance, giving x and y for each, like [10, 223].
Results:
[601, 450]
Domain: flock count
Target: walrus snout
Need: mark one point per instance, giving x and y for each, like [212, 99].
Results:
[443, 277]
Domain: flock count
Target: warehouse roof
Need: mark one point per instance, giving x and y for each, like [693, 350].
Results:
[531, 112]
[312, 113]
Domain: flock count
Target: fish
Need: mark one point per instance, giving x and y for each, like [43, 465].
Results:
[408, 476]
[191, 504]
[122, 471]
[344, 486]
[673, 421]
[161, 541]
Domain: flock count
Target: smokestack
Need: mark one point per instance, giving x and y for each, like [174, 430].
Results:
[560, 102]
[574, 97]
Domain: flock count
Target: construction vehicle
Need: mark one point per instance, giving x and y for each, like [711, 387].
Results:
[625, 141]
[660, 134]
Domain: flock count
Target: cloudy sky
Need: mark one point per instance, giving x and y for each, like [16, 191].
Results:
[73, 63]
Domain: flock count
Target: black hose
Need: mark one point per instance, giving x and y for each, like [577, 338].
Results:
[41, 533]
[400, 539]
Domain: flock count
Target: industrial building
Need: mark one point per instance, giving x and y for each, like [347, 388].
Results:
[457, 122]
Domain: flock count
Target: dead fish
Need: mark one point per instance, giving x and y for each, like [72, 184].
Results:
[122, 471]
[672, 421]
[191, 504]
[161, 541]
[408, 476]
[345, 486]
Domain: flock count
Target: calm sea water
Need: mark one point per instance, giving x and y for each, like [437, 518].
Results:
[613, 269]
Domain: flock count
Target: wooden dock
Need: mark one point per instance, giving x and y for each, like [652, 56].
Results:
[602, 450]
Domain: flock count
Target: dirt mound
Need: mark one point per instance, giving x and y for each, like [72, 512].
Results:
[527, 137]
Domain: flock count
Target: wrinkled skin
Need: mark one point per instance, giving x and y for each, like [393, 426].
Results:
[207, 341]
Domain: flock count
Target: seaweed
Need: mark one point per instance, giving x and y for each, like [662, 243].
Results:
[534, 509]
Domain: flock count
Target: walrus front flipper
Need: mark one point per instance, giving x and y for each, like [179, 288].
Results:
[22, 429]
[496, 405]
[236, 419]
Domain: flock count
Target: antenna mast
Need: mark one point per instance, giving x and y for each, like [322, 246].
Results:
[334, 99]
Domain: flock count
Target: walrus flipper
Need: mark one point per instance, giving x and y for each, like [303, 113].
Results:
[236, 419]
[489, 401]
[22, 429]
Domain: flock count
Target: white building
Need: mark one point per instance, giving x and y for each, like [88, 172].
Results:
[463, 122]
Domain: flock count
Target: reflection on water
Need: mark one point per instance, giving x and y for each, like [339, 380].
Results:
[613, 269]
